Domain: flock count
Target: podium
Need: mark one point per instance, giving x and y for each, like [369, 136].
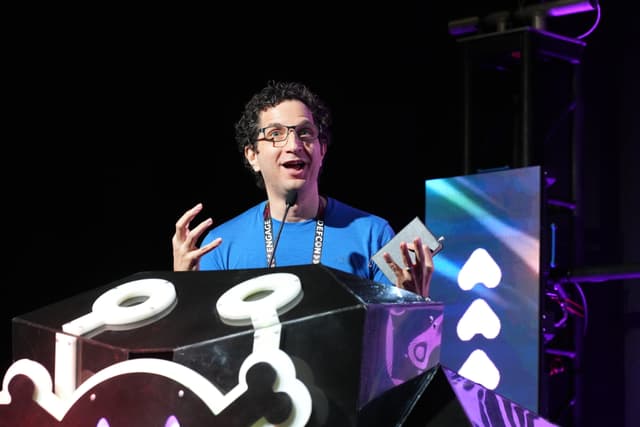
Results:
[304, 345]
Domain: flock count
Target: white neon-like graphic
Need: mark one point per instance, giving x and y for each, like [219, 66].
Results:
[107, 309]
[479, 268]
[283, 288]
[57, 400]
[199, 385]
[479, 318]
[480, 369]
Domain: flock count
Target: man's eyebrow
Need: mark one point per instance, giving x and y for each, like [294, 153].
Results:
[303, 122]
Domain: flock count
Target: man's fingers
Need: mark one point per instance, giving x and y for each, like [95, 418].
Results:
[210, 246]
[406, 256]
[195, 234]
[182, 225]
[392, 264]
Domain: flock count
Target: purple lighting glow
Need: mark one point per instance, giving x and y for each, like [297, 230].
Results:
[172, 421]
[458, 31]
[569, 9]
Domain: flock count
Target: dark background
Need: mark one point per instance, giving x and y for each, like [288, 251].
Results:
[120, 120]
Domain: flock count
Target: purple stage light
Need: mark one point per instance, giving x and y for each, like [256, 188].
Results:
[570, 8]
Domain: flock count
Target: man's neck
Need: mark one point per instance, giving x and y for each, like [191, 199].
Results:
[306, 207]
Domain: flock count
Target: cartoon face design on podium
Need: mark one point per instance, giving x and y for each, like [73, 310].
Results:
[156, 392]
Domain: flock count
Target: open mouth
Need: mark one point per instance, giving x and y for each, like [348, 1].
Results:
[294, 164]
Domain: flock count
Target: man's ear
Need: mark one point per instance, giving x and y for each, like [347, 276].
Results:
[323, 148]
[252, 157]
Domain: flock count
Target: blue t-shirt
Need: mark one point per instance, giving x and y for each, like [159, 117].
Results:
[351, 238]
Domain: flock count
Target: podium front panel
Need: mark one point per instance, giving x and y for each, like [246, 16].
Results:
[340, 343]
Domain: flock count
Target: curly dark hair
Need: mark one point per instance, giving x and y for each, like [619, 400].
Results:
[270, 96]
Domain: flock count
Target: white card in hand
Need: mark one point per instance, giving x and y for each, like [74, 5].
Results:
[415, 228]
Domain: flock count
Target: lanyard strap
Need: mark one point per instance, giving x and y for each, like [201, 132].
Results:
[318, 238]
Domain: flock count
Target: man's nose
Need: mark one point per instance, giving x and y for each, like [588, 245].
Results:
[296, 139]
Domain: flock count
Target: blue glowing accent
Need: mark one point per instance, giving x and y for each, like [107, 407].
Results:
[513, 237]
[446, 267]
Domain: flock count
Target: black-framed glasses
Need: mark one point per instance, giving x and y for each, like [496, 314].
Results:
[278, 134]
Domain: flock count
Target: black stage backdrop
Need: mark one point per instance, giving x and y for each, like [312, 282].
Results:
[120, 120]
